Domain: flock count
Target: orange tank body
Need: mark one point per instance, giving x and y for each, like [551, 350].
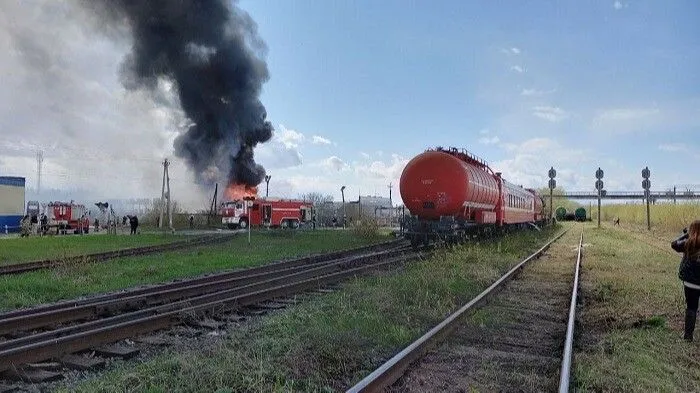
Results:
[436, 183]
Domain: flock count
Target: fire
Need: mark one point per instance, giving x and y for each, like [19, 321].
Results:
[235, 192]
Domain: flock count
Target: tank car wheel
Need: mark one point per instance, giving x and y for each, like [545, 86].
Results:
[243, 224]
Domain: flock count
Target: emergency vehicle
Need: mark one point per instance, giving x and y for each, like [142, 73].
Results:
[266, 212]
[66, 216]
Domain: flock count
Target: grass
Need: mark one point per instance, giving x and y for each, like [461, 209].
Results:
[664, 216]
[329, 342]
[88, 278]
[632, 316]
[36, 248]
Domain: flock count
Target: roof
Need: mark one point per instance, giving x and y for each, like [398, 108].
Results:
[12, 181]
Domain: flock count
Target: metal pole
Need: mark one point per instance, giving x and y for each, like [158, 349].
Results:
[598, 208]
[648, 218]
[550, 205]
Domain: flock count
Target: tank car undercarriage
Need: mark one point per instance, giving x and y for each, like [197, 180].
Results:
[450, 231]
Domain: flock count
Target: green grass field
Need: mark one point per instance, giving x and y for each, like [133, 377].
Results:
[36, 248]
[630, 339]
[87, 278]
[332, 341]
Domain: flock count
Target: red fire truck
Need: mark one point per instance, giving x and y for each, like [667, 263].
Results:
[265, 212]
[66, 216]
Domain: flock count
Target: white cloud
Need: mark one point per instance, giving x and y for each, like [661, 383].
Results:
[382, 170]
[535, 92]
[618, 5]
[489, 141]
[334, 163]
[517, 69]
[365, 155]
[550, 113]
[290, 138]
[319, 140]
[530, 160]
[511, 51]
[626, 114]
[484, 131]
[673, 147]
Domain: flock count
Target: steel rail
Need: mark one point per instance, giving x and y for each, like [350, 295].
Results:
[393, 369]
[172, 292]
[273, 266]
[201, 298]
[565, 373]
[23, 267]
[135, 325]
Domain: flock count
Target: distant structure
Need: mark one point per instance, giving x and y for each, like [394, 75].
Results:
[11, 203]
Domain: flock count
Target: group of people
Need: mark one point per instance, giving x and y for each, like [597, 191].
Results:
[29, 224]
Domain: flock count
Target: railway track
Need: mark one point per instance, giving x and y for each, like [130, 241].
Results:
[23, 267]
[54, 331]
[521, 339]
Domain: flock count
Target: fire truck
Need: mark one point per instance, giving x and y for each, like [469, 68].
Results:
[65, 216]
[265, 212]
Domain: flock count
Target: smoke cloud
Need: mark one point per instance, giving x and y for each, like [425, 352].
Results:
[210, 51]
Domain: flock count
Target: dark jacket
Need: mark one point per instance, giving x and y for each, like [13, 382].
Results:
[689, 269]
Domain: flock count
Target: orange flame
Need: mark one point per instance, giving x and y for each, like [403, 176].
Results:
[236, 192]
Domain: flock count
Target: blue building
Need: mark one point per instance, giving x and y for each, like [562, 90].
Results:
[11, 203]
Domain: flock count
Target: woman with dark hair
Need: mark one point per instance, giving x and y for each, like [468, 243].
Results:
[689, 273]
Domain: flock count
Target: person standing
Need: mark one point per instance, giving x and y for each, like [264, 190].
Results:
[25, 226]
[134, 222]
[689, 273]
[191, 221]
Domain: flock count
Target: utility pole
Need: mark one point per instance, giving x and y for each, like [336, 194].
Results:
[212, 207]
[391, 207]
[165, 197]
[39, 164]
[342, 193]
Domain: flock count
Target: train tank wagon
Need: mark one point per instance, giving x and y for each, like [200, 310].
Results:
[11, 203]
[452, 194]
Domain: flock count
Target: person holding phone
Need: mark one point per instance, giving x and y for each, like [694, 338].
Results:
[689, 272]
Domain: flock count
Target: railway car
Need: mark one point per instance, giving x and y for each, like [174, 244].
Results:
[452, 195]
[580, 214]
[560, 213]
[265, 212]
[11, 203]
[68, 216]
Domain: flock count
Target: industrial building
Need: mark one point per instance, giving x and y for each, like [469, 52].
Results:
[11, 203]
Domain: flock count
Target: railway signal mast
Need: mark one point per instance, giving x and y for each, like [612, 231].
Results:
[646, 184]
[599, 187]
[552, 186]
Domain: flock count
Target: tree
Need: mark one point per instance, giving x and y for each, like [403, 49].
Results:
[316, 198]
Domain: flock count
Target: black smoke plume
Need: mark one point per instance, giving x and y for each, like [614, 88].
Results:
[210, 50]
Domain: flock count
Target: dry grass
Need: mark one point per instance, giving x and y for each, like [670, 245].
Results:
[630, 337]
[664, 216]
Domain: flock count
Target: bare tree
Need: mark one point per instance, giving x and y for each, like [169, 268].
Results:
[316, 198]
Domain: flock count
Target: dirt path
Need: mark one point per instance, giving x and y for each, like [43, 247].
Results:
[514, 343]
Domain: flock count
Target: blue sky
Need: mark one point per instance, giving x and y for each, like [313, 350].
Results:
[357, 88]
[525, 85]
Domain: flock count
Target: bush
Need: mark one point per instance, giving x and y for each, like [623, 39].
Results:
[365, 229]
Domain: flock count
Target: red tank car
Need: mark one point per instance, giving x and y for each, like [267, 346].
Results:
[451, 195]
[441, 183]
